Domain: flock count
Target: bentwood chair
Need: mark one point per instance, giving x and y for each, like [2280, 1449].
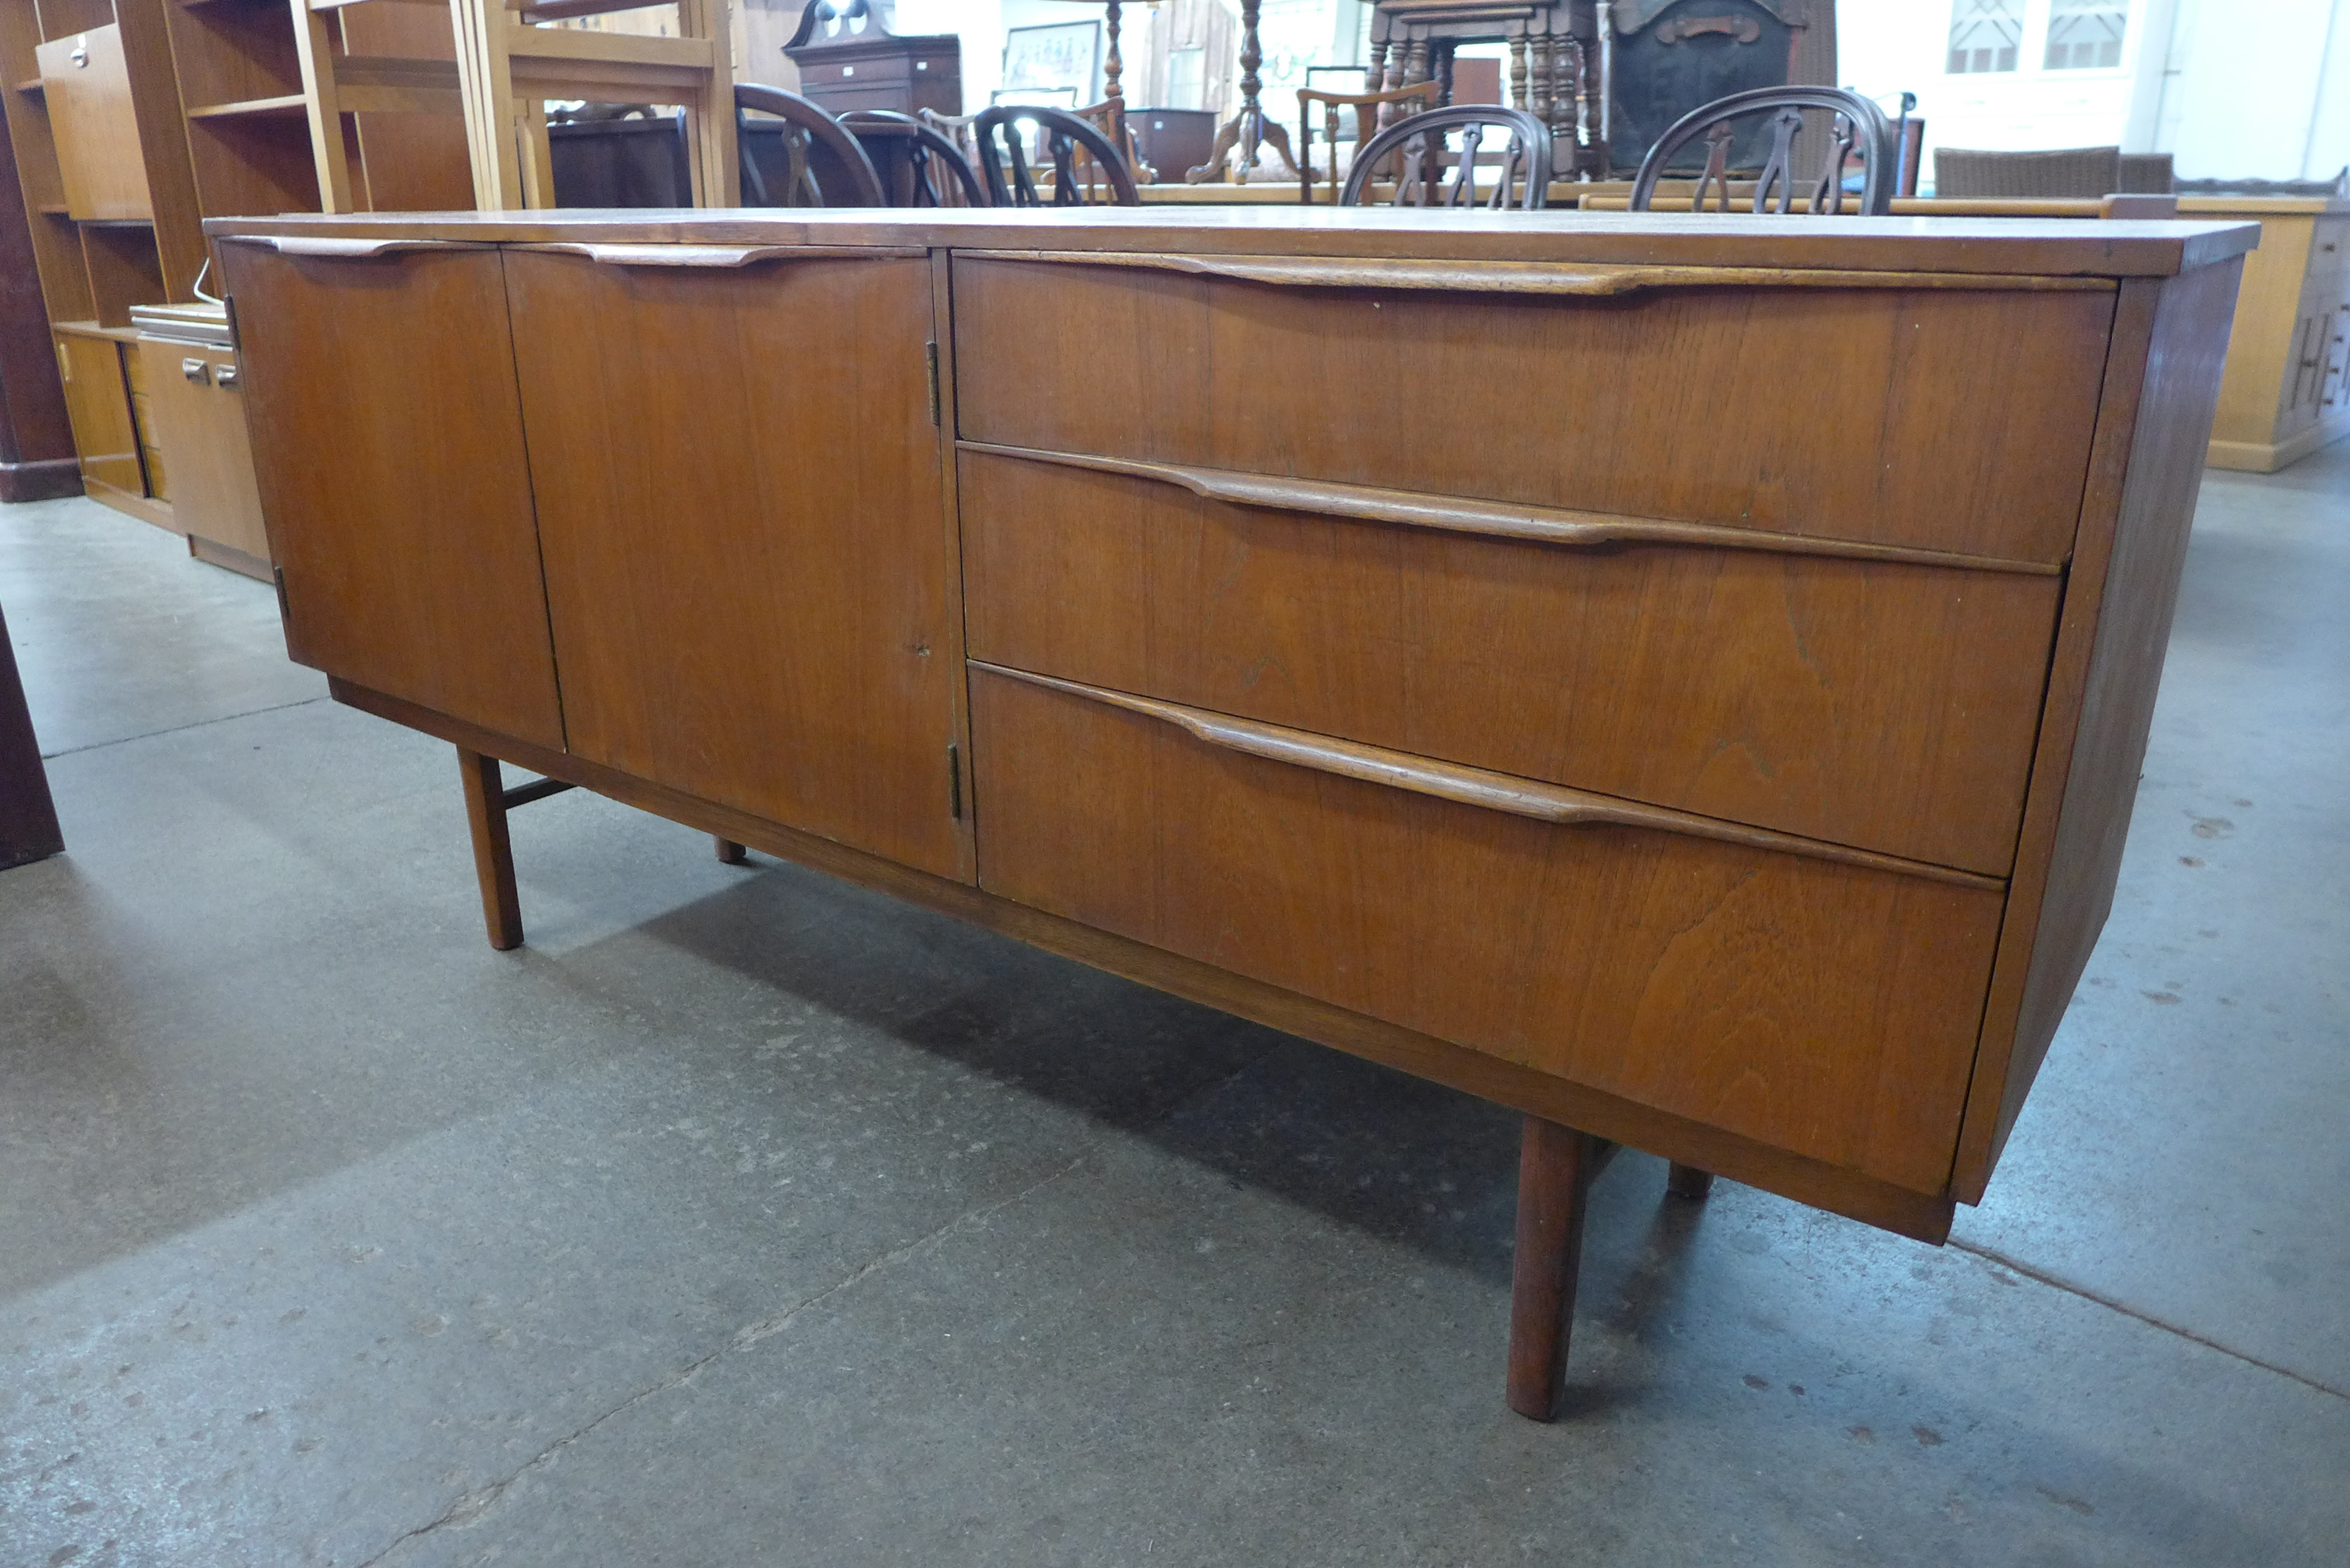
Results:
[813, 162]
[919, 166]
[1418, 142]
[1731, 129]
[1087, 170]
[1368, 108]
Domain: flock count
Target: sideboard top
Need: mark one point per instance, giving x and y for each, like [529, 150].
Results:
[1991, 246]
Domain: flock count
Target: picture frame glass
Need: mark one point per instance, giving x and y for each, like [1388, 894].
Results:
[1064, 54]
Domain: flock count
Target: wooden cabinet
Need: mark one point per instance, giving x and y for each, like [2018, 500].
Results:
[380, 387]
[872, 71]
[87, 87]
[2285, 396]
[98, 399]
[793, 652]
[193, 388]
[1685, 681]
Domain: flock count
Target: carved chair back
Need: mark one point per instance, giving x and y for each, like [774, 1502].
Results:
[1087, 170]
[1417, 143]
[821, 166]
[1855, 127]
[919, 166]
[1370, 109]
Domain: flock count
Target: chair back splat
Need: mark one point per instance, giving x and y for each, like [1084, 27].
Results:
[919, 166]
[1417, 145]
[820, 163]
[1087, 170]
[1731, 129]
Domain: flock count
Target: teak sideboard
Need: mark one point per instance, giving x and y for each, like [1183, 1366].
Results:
[1684, 679]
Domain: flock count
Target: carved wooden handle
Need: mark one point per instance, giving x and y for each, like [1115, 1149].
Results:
[1503, 520]
[1478, 787]
[350, 249]
[1588, 280]
[713, 255]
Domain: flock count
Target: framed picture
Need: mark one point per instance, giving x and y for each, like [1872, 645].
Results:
[1063, 55]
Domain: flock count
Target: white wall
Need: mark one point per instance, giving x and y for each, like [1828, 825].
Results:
[2234, 90]
[2258, 91]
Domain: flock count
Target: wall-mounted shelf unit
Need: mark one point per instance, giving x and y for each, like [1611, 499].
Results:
[133, 120]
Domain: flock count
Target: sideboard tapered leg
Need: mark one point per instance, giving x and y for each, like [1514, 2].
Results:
[1688, 1181]
[1555, 1165]
[730, 852]
[485, 812]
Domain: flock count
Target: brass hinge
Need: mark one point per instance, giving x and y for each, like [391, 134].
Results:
[930, 352]
[283, 612]
[954, 781]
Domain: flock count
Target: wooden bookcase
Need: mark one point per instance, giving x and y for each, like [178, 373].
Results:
[93, 114]
[133, 120]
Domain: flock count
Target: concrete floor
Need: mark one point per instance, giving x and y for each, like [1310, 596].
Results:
[743, 1217]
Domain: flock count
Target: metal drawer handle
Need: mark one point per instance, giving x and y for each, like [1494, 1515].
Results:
[714, 255]
[1502, 520]
[348, 249]
[199, 371]
[1480, 788]
[224, 377]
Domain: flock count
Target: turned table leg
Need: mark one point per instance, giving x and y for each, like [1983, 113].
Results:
[729, 852]
[485, 811]
[1555, 1166]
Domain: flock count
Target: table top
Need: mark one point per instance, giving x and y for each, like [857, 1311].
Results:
[1982, 246]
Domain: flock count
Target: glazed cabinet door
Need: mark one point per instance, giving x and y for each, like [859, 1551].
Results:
[741, 500]
[387, 438]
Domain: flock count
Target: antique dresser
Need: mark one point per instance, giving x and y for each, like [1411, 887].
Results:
[1682, 678]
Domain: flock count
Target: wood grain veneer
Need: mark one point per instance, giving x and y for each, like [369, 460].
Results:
[1941, 420]
[1696, 710]
[1827, 1010]
[786, 648]
[1891, 706]
[388, 437]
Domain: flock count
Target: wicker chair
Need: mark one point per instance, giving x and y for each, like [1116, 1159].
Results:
[2060, 171]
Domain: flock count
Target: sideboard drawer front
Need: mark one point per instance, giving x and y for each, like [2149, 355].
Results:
[1826, 1009]
[1884, 705]
[1954, 419]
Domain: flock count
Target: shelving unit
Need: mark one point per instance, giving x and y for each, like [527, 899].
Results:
[93, 116]
[133, 120]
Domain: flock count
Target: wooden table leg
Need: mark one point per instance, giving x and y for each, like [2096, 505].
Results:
[1555, 1165]
[1688, 1181]
[28, 815]
[485, 812]
[730, 852]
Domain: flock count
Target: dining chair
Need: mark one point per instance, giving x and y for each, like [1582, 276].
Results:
[814, 162]
[919, 166]
[1418, 142]
[1855, 127]
[1369, 109]
[1082, 159]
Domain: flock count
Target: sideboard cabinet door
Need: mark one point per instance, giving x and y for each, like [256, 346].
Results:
[387, 437]
[741, 501]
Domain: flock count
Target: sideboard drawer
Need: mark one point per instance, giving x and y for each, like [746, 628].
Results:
[1825, 1007]
[1883, 703]
[1954, 419]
